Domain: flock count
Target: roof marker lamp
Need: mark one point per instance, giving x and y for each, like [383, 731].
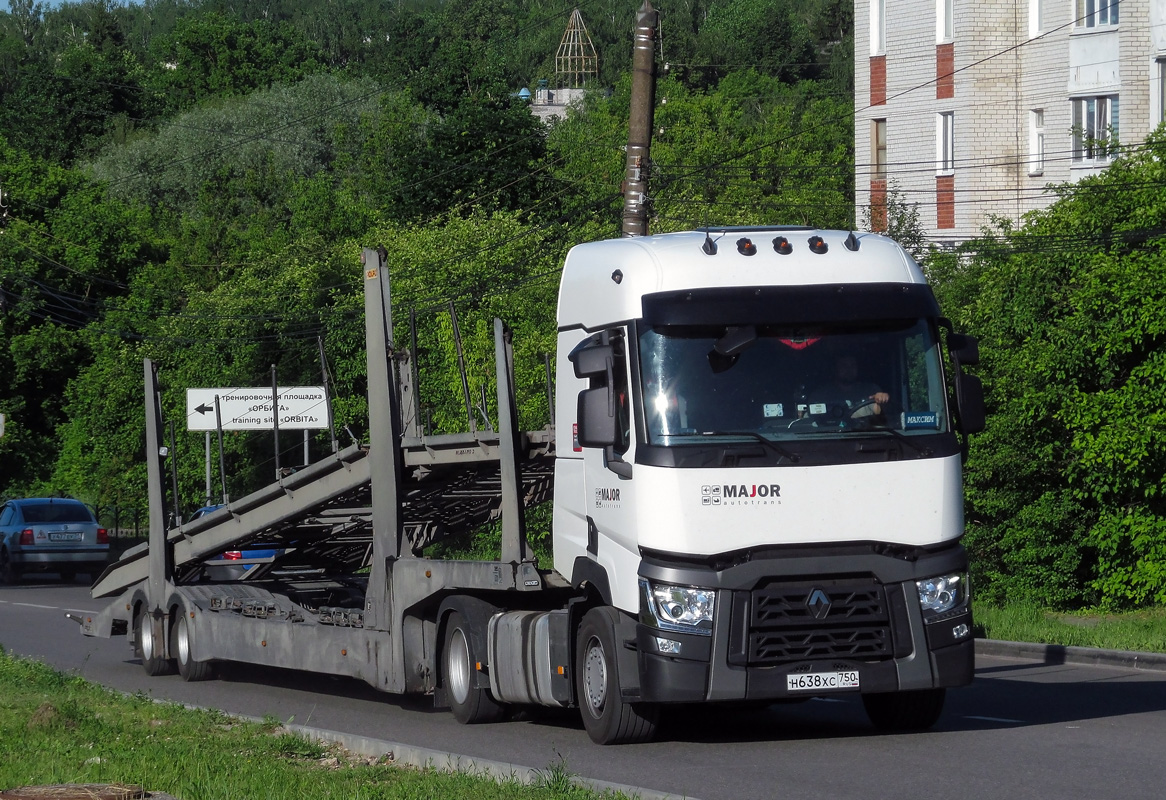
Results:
[782, 247]
[818, 245]
[746, 247]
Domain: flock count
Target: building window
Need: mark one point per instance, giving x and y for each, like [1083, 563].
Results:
[878, 26]
[1160, 117]
[1036, 142]
[1092, 13]
[878, 148]
[1094, 128]
[1036, 17]
[945, 141]
[944, 20]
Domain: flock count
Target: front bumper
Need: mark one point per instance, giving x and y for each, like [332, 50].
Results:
[763, 632]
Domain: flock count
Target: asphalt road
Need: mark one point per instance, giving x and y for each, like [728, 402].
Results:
[1022, 729]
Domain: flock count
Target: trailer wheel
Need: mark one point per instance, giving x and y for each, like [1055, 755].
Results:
[188, 668]
[470, 704]
[904, 711]
[607, 718]
[154, 662]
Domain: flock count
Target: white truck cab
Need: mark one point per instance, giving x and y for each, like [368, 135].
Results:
[758, 468]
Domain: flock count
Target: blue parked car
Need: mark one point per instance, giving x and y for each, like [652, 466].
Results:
[50, 534]
[232, 565]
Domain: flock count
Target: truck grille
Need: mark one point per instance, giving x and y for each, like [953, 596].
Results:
[818, 619]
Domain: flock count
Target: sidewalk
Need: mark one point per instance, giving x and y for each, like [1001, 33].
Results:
[1060, 654]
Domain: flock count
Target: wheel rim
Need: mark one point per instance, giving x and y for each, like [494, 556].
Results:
[147, 638]
[183, 641]
[458, 661]
[595, 677]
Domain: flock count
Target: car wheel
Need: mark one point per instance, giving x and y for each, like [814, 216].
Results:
[188, 668]
[607, 718]
[470, 704]
[9, 572]
[904, 711]
[153, 659]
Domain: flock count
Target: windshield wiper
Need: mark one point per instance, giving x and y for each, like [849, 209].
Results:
[793, 457]
[922, 450]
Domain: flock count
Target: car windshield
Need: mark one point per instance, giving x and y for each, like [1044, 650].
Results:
[789, 383]
[55, 512]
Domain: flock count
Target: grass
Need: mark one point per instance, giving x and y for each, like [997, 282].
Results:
[56, 728]
[1144, 631]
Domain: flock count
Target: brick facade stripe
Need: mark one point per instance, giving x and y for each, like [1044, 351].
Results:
[945, 71]
[878, 80]
[878, 205]
[944, 201]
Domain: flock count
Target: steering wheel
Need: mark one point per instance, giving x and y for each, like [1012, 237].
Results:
[863, 409]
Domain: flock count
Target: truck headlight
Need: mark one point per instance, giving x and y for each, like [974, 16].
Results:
[943, 593]
[678, 608]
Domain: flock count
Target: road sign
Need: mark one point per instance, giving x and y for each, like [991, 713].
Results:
[243, 409]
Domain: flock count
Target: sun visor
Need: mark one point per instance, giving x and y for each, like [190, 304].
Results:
[791, 305]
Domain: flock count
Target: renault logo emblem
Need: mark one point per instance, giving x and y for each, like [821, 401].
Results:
[819, 603]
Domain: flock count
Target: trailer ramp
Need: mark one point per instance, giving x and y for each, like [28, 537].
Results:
[321, 516]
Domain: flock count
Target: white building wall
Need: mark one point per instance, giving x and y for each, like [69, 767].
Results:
[1005, 69]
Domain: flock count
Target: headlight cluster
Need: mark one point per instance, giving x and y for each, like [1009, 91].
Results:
[679, 608]
[943, 593]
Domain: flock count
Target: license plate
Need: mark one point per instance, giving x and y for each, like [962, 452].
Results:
[821, 681]
[64, 537]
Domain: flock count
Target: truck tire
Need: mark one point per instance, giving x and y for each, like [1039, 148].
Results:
[607, 718]
[470, 704]
[9, 572]
[146, 649]
[188, 668]
[904, 711]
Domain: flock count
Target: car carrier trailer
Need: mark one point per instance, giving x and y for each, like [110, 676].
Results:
[724, 529]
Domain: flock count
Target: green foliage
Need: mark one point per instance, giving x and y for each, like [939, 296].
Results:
[1067, 486]
[217, 55]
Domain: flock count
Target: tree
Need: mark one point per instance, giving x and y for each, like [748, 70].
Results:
[1066, 485]
[215, 55]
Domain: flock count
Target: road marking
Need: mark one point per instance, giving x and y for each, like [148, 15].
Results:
[35, 605]
[996, 719]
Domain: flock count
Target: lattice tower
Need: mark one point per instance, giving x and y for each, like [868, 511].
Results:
[576, 59]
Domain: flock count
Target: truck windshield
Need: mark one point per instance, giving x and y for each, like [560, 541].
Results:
[790, 383]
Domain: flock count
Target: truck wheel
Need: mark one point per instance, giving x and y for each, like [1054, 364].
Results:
[607, 718]
[469, 703]
[146, 649]
[9, 572]
[904, 711]
[188, 668]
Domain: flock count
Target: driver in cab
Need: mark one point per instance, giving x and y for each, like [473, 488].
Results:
[846, 396]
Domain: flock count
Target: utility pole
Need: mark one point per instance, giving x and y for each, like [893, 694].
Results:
[643, 105]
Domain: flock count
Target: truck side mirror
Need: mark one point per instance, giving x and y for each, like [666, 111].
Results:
[969, 392]
[592, 361]
[964, 349]
[597, 418]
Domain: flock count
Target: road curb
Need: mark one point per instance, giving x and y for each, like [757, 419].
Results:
[1061, 654]
[426, 758]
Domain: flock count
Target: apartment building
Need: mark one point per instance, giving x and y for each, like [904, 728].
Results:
[969, 109]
